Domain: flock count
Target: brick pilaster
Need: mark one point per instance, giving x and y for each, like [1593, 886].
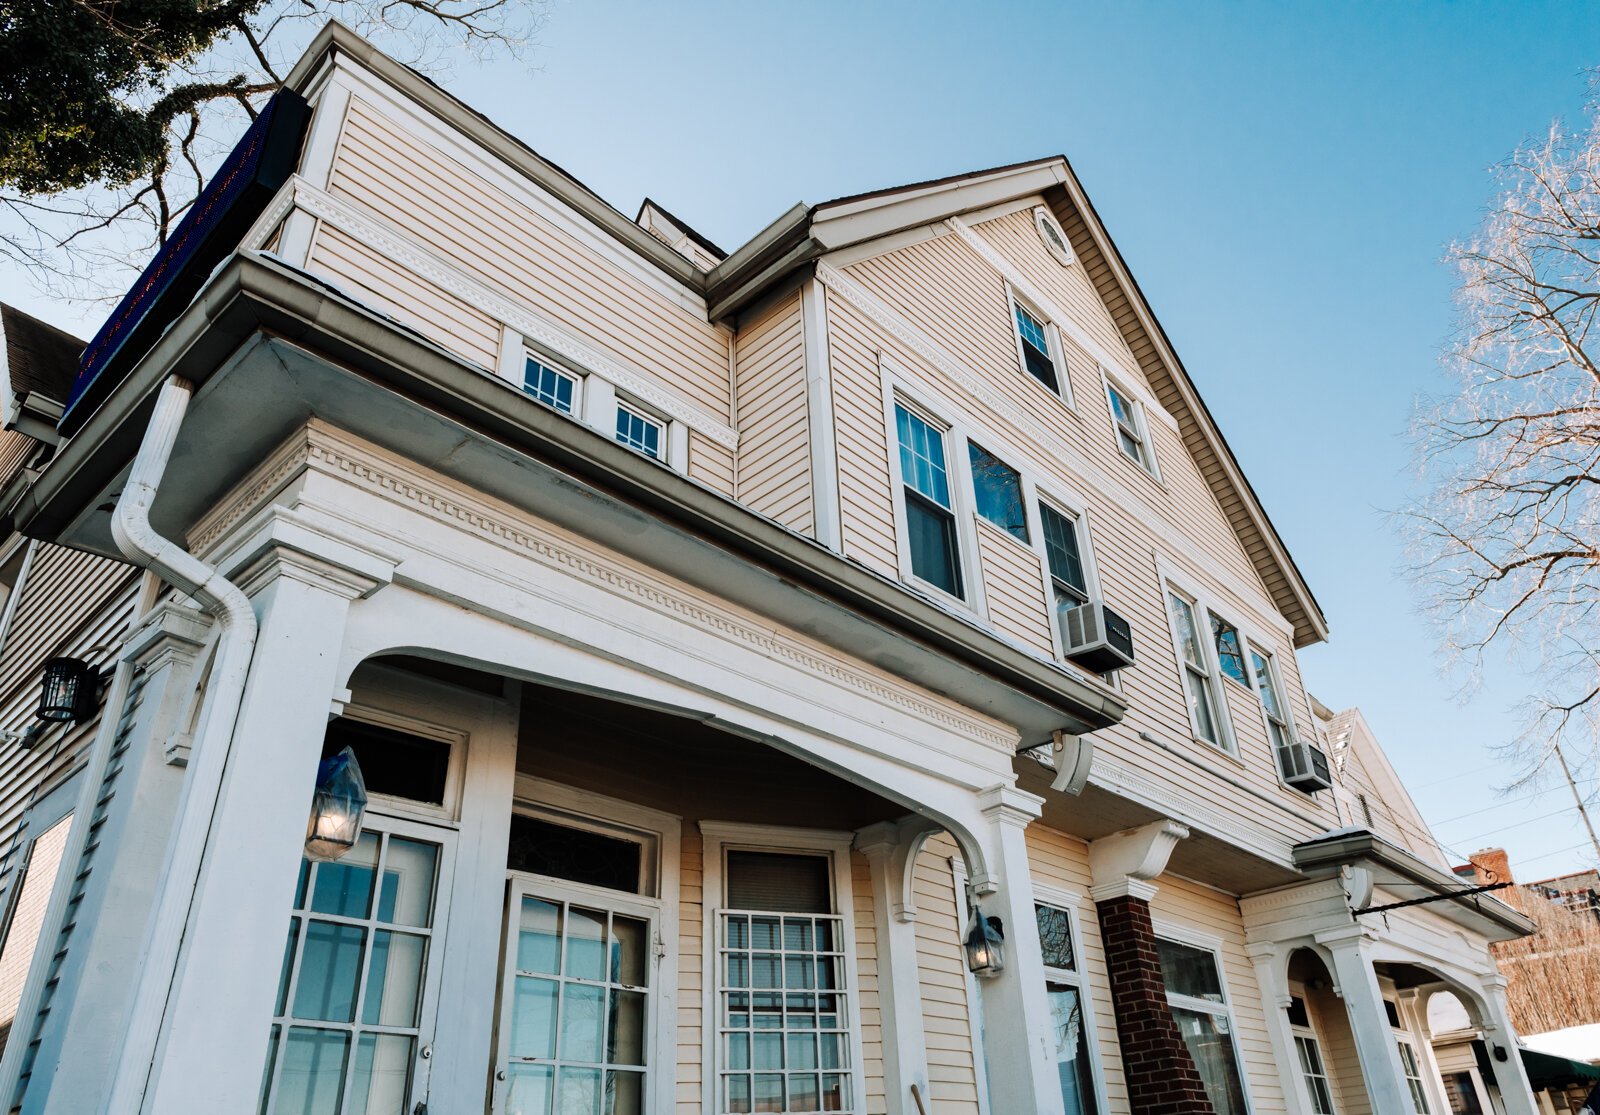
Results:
[1162, 1078]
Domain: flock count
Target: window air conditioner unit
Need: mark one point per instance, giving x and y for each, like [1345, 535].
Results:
[1097, 638]
[1305, 767]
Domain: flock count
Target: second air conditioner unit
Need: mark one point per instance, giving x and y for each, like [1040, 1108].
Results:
[1305, 767]
[1096, 638]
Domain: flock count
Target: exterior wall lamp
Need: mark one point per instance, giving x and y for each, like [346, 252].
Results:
[69, 693]
[986, 949]
[337, 807]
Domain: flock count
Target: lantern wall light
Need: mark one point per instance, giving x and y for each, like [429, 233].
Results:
[985, 945]
[70, 691]
[337, 807]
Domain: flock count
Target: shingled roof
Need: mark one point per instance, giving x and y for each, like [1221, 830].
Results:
[38, 358]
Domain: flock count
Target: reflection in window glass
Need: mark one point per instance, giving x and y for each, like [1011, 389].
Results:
[998, 491]
[930, 519]
[1230, 652]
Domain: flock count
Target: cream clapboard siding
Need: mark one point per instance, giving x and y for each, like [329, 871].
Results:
[870, 1003]
[1182, 905]
[385, 285]
[946, 1020]
[1126, 549]
[1061, 863]
[1014, 585]
[691, 969]
[774, 438]
[711, 463]
[502, 243]
[1331, 1024]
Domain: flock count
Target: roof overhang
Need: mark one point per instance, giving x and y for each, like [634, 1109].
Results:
[267, 346]
[1393, 868]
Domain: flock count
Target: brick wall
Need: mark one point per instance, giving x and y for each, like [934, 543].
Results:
[1162, 1078]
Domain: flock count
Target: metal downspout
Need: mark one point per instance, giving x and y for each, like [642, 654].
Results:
[236, 624]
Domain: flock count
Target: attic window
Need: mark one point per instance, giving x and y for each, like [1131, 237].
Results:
[1055, 241]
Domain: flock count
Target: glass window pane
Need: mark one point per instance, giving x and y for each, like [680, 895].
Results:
[394, 979]
[382, 1075]
[625, 1029]
[312, 1079]
[539, 937]
[1189, 971]
[1055, 937]
[638, 432]
[1061, 548]
[408, 872]
[1200, 705]
[1072, 1050]
[1210, 1043]
[738, 1093]
[344, 888]
[528, 1089]
[922, 464]
[998, 489]
[578, 1091]
[1120, 407]
[583, 1023]
[624, 1093]
[931, 538]
[543, 847]
[779, 882]
[549, 386]
[1183, 623]
[288, 963]
[1130, 445]
[398, 764]
[630, 951]
[266, 1073]
[330, 966]
[769, 1093]
[1230, 654]
[586, 943]
[533, 1017]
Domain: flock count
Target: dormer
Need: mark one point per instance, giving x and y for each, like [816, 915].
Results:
[678, 236]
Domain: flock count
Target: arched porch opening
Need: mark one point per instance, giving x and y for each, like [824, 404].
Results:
[1324, 1042]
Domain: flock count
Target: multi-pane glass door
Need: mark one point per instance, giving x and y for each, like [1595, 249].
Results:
[575, 1026]
[354, 1009]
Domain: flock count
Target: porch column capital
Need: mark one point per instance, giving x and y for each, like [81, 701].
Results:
[1008, 805]
[283, 542]
[891, 849]
[1126, 862]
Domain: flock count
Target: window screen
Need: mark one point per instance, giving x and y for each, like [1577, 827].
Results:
[792, 884]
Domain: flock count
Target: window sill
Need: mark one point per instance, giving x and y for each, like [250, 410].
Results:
[1221, 752]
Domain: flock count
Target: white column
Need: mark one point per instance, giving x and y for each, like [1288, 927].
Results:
[1272, 976]
[890, 849]
[213, 1033]
[1018, 1037]
[1369, 1022]
[1516, 1093]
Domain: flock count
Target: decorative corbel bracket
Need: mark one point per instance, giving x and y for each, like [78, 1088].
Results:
[1125, 862]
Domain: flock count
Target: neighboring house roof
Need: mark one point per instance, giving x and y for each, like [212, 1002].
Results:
[38, 358]
[1363, 766]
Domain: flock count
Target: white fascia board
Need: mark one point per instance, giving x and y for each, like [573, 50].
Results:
[852, 222]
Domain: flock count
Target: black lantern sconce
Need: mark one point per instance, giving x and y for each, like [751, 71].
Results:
[70, 692]
[337, 807]
[986, 949]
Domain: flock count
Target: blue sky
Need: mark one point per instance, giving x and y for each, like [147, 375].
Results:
[1282, 178]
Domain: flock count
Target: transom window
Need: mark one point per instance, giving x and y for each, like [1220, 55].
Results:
[350, 996]
[1199, 1005]
[1130, 427]
[1034, 341]
[1309, 1051]
[783, 1011]
[1230, 651]
[1065, 559]
[1070, 1022]
[616, 860]
[1205, 706]
[550, 386]
[639, 431]
[998, 491]
[930, 514]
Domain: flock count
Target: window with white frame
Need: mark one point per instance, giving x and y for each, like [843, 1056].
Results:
[1230, 650]
[550, 385]
[1064, 556]
[1128, 418]
[1038, 349]
[784, 1015]
[1461, 1092]
[931, 537]
[13, 569]
[1313, 1069]
[1413, 1071]
[997, 492]
[1280, 733]
[1055, 241]
[1199, 1004]
[1072, 1027]
[641, 432]
[29, 898]
[1206, 711]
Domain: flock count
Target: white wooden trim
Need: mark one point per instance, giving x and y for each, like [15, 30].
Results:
[1017, 299]
[717, 838]
[826, 519]
[1200, 608]
[1151, 465]
[980, 1062]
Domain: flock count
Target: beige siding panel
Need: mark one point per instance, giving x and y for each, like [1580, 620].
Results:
[866, 513]
[870, 1002]
[1061, 863]
[508, 247]
[1013, 585]
[711, 463]
[1331, 1023]
[1180, 904]
[774, 435]
[411, 300]
[691, 969]
[952, 1071]
[15, 450]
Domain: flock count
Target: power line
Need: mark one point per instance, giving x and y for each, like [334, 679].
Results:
[1508, 801]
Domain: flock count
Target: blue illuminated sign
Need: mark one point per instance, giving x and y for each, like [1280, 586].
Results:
[236, 195]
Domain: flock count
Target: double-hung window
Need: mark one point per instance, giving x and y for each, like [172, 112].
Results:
[551, 386]
[1413, 1071]
[784, 1015]
[997, 490]
[1279, 732]
[1199, 678]
[639, 431]
[1072, 1028]
[1313, 1069]
[1063, 554]
[1129, 421]
[1033, 339]
[1199, 1005]
[934, 546]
